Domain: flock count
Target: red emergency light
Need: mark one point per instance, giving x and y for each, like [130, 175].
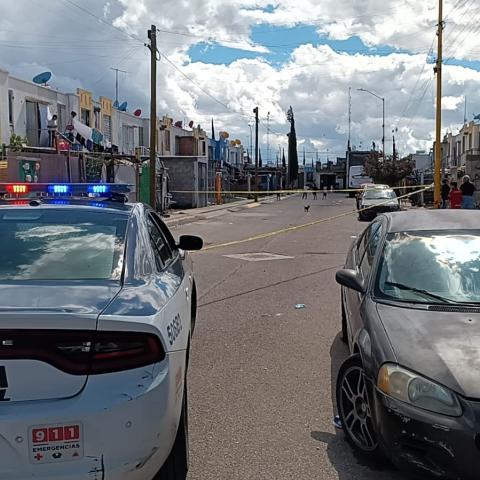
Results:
[17, 188]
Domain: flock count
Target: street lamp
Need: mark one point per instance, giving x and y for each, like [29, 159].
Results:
[383, 125]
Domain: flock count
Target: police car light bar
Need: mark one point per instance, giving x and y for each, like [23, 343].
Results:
[63, 189]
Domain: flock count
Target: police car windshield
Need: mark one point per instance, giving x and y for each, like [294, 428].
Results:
[38, 244]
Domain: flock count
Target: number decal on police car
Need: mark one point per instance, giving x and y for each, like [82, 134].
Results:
[3, 385]
[174, 329]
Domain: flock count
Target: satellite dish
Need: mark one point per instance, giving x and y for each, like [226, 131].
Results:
[137, 112]
[123, 107]
[115, 104]
[42, 78]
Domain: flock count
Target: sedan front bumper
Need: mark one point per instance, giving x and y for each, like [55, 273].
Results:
[436, 445]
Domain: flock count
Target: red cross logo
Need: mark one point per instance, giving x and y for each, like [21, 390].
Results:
[38, 457]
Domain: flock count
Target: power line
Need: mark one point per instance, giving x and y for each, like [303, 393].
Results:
[88, 12]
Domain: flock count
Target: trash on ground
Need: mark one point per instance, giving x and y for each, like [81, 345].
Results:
[337, 422]
[266, 315]
[299, 306]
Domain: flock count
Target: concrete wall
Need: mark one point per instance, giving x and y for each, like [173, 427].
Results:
[53, 167]
[187, 174]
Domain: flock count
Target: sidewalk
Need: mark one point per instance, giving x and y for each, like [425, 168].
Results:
[182, 217]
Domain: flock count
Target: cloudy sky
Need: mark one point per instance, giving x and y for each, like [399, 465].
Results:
[221, 58]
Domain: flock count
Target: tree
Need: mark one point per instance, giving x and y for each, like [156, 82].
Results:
[388, 171]
[292, 150]
[284, 161]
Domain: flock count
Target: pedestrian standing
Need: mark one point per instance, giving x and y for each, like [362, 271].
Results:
[324, 193]
[304, 195]
[445, 192]
[468, 190]
[455, 196]
[278, 196]
[52, 126]
[314, 192]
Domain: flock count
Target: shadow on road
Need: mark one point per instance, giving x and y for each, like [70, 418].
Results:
[349, 464]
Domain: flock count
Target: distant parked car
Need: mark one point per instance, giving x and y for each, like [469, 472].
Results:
[375, 201]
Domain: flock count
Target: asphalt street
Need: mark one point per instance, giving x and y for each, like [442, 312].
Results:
[262, 371]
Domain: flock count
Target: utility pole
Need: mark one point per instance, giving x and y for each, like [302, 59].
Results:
[152, 35]
[116, 70]
[383, 129]
[268, 138]
[438, 127]
[349, 117]
[255, 111]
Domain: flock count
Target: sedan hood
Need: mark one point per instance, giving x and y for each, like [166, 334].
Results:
[443, 346]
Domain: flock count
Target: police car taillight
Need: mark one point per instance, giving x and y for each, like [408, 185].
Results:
[114, 352]
[83, 352]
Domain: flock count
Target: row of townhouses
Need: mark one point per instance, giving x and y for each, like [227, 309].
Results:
[190, 157]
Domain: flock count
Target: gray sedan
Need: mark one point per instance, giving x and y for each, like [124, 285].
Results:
[411, 318]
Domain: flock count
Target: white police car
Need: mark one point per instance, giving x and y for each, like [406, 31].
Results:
[97, 309]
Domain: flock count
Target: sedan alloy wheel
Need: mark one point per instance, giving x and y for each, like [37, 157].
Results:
[354, 406]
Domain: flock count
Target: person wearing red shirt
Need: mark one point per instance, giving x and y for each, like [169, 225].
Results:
[455, 196]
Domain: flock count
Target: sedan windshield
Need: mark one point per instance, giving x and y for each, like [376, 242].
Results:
[431, 267]
[379, 194]
[61, 245]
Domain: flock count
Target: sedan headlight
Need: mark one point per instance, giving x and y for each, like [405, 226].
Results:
[416, 390]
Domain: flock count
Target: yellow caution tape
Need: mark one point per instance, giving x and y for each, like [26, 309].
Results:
[274, 192]
[306, 225]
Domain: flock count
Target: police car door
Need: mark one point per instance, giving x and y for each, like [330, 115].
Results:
[172, 280]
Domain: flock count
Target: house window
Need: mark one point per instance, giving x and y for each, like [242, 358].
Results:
[204, 148]
[107, 128]
[167, 140]
[141, 139]
[10, 106]
[62, 117]
[128, 140]
[85, 117]
[96, 117]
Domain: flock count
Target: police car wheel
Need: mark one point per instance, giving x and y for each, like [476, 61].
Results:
[176, 465]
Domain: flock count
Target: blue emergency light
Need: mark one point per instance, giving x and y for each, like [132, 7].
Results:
[58, 189]
[98, 188]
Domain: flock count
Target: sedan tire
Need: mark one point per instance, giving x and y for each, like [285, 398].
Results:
[353, 404]
[176, 465]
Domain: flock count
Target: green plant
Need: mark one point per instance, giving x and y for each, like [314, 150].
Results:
[388, 171]
[17, 142]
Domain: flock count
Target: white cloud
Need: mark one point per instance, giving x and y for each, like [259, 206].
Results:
[314, 80]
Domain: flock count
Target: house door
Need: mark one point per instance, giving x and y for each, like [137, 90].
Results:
[33, 124]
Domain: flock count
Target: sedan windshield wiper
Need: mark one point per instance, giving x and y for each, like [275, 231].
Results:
[402, 286]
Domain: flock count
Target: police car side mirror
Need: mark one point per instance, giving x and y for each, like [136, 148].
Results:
[189, 243]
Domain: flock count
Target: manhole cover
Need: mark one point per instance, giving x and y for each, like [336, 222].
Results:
[258, 257]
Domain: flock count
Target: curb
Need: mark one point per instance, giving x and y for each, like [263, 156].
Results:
[184, 217]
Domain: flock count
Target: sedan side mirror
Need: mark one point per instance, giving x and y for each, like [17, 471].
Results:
[190, 242]
[350, 279]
